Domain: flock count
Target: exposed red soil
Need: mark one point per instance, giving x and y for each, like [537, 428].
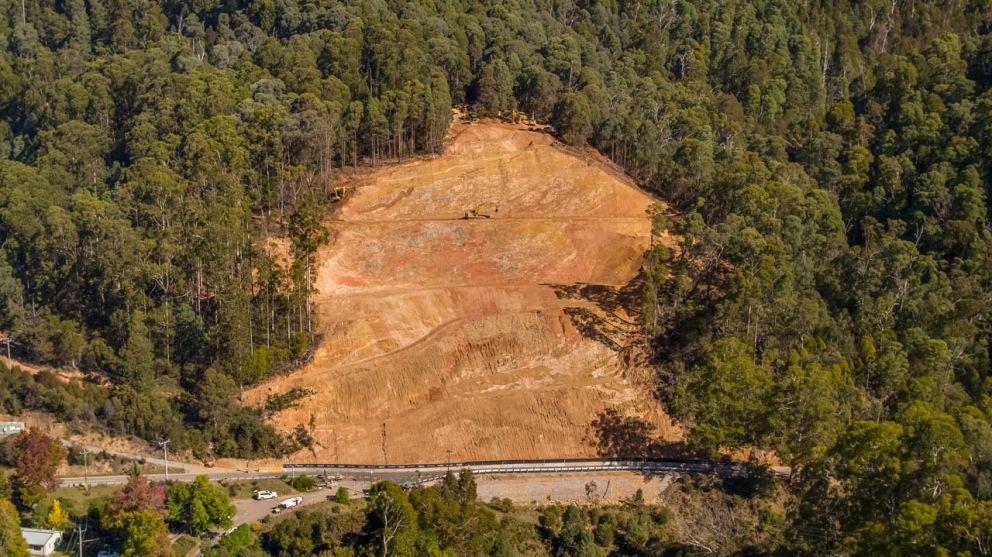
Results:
[475, 336]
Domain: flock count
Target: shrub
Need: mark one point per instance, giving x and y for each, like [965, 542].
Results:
[502, 505]
[304, 483]
[241, 537]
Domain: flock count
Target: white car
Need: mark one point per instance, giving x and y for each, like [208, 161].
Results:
[291, 502]
[262, 494]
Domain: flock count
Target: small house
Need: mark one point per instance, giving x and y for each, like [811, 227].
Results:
[11, 428]
[41, 543]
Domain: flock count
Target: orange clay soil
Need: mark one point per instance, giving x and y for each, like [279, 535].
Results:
[500, 338]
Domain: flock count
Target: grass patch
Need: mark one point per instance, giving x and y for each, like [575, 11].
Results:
[75, 501]
[324, 507]
[184, 544]
[122, 467]
[527, 514]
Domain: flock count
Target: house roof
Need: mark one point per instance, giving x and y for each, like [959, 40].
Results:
[37, 537]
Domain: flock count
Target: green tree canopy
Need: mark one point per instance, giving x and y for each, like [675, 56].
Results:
[198, 506]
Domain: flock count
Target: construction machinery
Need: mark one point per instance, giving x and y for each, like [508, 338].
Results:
[519, 117]
[482, 211]
[338, 193]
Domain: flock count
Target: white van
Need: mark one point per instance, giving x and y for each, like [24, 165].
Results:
[291, 502]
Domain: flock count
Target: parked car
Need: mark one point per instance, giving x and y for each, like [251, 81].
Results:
[291, 502]
[107, 553]
[287, 504]
[263, 494]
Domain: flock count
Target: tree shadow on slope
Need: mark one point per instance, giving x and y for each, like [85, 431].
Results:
[606, 297]
[603, 322]
[630, 437]
[594, 327]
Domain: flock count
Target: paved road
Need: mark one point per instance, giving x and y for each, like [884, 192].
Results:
[362, 477]
[173, 476]
[420, 472]
[716, 468]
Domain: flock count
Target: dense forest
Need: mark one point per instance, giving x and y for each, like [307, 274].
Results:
[163, 166]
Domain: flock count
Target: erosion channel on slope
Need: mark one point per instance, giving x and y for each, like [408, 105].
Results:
[492, 338]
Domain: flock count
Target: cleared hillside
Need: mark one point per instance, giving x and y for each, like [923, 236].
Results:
[491, 338]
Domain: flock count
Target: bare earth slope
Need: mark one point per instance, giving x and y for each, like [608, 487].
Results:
[479, 337]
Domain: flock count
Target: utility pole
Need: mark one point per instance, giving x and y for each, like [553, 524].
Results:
[447, 459]
[86, 469]
[82, 531]
[165, 448]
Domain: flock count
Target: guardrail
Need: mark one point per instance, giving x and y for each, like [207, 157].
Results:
[555, 465]
[564, 461]
[486, 467]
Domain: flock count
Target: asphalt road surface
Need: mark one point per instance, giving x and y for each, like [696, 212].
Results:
[424, 472]
[173, 476]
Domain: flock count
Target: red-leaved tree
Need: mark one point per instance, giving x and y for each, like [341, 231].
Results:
[37, 458]
[138, 495]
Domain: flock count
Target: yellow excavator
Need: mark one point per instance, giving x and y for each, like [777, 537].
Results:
[482, 211]
[518, 117]
[338, 193]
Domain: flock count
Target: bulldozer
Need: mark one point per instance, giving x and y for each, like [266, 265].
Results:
[482, 211]
[338, 193]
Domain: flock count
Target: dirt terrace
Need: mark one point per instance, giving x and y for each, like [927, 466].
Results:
[490, 338]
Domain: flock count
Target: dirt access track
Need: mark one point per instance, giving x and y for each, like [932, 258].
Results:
[491, 338]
